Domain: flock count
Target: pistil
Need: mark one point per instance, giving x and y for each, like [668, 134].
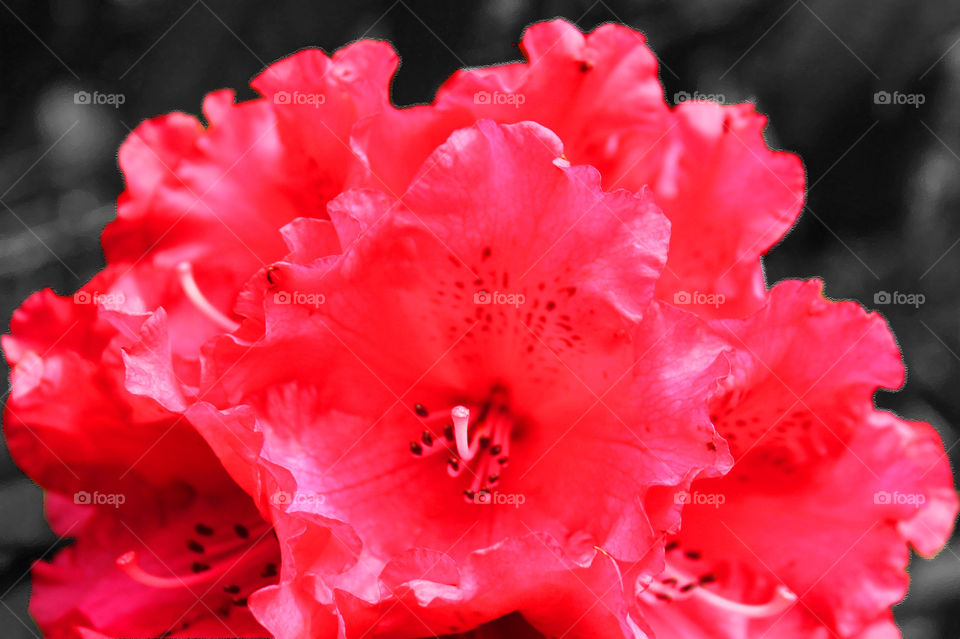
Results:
[189, 285]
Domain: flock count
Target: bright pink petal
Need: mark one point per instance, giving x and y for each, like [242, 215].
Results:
[215, 198]
[218, 206]
[826, 492]
[69, 421]
[729, 199]
[530, 574]
[804, 362]
[707, 164]
[317, 100]
[599, 92]
[75, 429]
[181, 538]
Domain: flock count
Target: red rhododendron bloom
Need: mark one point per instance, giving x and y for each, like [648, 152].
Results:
[140, 484]
[707, 164]
[125, 478]
[502, 365]
[440, 404]
[825, 489]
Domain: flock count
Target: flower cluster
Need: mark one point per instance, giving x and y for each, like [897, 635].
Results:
[504, 364]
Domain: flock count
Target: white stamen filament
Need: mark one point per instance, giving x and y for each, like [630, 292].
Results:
[782, 599]
[461, 424]
[129, 563]
[193, 293]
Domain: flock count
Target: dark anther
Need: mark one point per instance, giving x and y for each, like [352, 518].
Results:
[270, 570]
[421, 410]
[416, 448]
[495, 450]
[201, 529]
[199, 566]
[232, 589]
[427, 438]
[272, 279]
[241, 531]
[194, 546]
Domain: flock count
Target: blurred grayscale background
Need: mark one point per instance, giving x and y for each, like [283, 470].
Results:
[883, 212]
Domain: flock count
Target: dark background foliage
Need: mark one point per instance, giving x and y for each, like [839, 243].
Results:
[883, 178]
